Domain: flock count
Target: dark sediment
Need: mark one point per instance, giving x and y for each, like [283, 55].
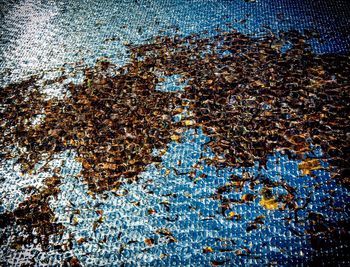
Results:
[247, 95]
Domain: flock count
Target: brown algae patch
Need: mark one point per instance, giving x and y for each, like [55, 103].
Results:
[246, 95]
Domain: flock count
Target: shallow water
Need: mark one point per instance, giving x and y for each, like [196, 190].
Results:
[42, 36]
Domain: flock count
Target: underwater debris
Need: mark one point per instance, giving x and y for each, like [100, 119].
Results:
[149, 241]
[167, 234]
[208, 250]
[308, 165]
[219, 262]
[255, 224]
[246, 95]
[35, 217]
[269, 203]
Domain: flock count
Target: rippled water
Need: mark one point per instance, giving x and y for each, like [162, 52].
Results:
[43, 37]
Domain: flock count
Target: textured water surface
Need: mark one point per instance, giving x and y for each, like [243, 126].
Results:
[174, 213]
